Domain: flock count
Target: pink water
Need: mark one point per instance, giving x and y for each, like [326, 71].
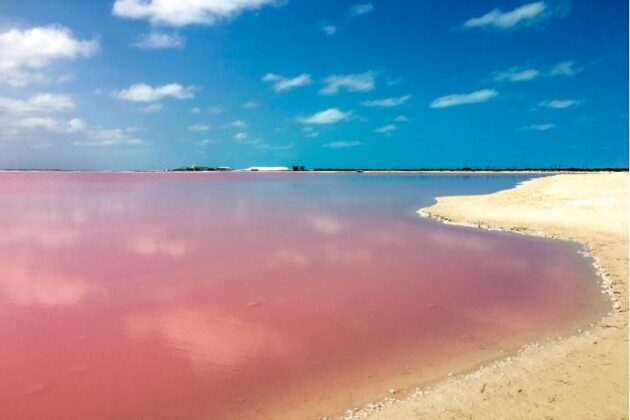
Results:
[237, 296]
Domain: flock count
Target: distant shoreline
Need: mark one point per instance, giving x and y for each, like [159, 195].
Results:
[332, 170]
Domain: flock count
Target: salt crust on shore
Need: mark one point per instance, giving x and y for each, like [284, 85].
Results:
[584, 376]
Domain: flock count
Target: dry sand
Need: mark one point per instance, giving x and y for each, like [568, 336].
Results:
[580, 377]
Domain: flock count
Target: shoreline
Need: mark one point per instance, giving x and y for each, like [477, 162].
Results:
[548, 172]
[574, 376]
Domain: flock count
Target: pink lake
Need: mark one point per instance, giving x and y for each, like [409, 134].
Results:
[259, 296]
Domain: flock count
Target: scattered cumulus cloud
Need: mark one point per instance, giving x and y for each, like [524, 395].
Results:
[464, 99]
[160, 40]
[151, 108]
[240, 136]
[342, 144]
[559, 103]
[199, 127]
[29, 118]
[327, 116]
[145, 93]
[540, 127]
[25, 117]
[394, 82]
[386, 103]
[185, 12]
[388, 129]
[250, 105]
[515, 74]
[401, 118]
[205, 142]
[522, 15]
[25, 54]
[310, 132]
[41, 103]
[238, 124]
[282, 84]
[212, 110]
[518, 74]
[361, 9]
[110, 137]
[76, 125]
[362, 82]
[565, 68]
[328, 29]
[43, 124]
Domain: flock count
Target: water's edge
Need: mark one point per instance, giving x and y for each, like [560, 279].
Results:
[509, 357]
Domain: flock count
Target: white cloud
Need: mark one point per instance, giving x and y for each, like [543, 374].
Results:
[310, 132]
[240, 136]
[362, 82]
[199, 127]
[361, 9]
[37, 123]
[505, 20]
[342, 144]
[110, 137]
[250, 105]
[564, 68]
[401, 118]
[328, 29]
[463, 99]
[327, 116]
[41, 103]
[515, 74]
[142, 92]
[76, 125]
[205, 142]
[160, 40]
[386, 103]
[540, 127]
[388, 129]
[24, 117]
[238, 124]
[151, 108]
[281, 84]
[24, 55]
[559, 103]
[185, 12]
[212, 110]
[22, 126]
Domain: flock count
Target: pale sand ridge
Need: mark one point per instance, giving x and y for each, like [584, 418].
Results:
[580, 377]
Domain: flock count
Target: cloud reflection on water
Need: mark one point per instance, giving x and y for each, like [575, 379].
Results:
[209, 341]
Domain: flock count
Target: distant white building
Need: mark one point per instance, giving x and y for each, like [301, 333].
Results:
[267, 168]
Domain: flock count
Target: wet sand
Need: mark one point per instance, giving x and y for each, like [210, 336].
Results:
[584, 376]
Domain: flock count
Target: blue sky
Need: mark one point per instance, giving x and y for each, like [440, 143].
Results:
[131, 84]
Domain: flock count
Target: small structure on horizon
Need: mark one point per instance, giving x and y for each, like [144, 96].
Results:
[267, 168]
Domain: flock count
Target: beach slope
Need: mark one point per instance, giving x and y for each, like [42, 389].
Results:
[580, 377]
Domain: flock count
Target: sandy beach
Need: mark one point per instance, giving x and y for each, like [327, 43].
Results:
[584, 376]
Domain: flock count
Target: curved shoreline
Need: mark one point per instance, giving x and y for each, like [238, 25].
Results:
[580, 376]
